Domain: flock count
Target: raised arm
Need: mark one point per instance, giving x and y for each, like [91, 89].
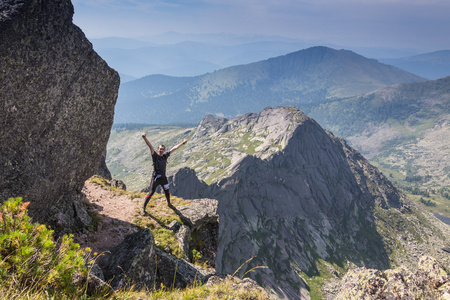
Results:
[178, 146]
[144, 136]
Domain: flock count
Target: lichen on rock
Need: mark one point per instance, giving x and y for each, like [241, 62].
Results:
[429, 281]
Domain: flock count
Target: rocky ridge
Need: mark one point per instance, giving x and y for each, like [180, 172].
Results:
[429, 281]
[301, 200]
[57, 107]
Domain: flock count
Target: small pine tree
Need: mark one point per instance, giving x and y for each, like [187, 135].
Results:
[31, 259]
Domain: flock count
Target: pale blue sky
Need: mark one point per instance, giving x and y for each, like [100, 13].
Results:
[416, 24]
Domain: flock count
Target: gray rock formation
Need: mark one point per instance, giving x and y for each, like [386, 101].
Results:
[203, 220]
[57, 101]
[200, 212]
[103, 170]
[137, 261]
[176, 272]
[183, 235]
[118, 184]
[301, 198]
[430, 281]
[185, 184]
[132, 261]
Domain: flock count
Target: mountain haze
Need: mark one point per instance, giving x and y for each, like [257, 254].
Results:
[307, 76]
[432, 65]
[186, 57]
[403, 127]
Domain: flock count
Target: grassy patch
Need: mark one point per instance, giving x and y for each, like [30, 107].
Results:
[223, 290]
[247, 145]
[441, 205]
[105, 184]
[316, 282]
[159, 217]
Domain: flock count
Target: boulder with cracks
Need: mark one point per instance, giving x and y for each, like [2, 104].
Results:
[57, 99]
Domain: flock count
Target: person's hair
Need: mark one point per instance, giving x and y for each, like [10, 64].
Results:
[162, 146]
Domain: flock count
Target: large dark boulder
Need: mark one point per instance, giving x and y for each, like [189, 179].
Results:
[57, 100]
[132, 261]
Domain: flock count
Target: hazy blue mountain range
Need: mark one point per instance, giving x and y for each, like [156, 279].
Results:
[135, 59]
[429, 65]
[177, 54]
[308, 76]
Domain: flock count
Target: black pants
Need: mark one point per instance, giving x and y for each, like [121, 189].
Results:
[156, 181]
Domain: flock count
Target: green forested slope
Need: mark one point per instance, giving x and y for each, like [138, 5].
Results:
[308, 76]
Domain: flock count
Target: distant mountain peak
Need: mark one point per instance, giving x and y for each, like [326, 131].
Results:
[312, 75]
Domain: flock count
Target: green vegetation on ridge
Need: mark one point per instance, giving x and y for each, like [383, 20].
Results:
[34, 266]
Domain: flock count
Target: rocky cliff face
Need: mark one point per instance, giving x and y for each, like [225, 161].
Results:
[305, 204]
[57, 105]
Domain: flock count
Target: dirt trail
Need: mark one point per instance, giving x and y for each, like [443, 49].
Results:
[117, 213]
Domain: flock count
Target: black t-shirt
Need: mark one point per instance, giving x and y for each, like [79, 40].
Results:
[160, 162]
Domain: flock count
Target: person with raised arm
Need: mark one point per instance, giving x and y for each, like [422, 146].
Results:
[159, 177]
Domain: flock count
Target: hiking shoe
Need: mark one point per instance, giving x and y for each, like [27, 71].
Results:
[143, 212]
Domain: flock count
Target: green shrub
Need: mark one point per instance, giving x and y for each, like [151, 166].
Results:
[30, 259]
[427, 202]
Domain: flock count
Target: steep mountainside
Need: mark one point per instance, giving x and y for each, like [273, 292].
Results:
[308, 76]
[302, 202]
[403, 127]
[57, 101]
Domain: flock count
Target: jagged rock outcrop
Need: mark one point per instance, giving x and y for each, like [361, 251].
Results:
[137, 261]
[185, 183]
[132, 261]
[57, 101]
[199, 213]
[202, 218]
[302, 197]
[430, 281]
[118, 184]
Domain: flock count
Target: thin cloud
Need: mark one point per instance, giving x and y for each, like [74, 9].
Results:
[395, 23]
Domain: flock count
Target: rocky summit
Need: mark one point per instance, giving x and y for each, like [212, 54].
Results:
[57, 105]
[298, 200]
